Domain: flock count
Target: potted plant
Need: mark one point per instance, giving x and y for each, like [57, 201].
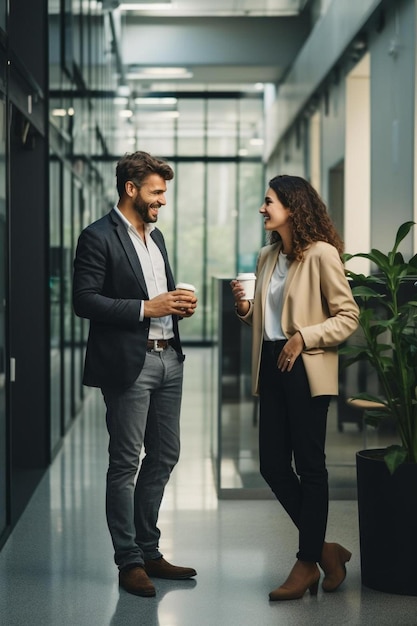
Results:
[387, 478]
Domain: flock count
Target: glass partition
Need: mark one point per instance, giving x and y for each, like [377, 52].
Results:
[68, 318]
[78, 352]
[3, 294]
[3, 6]
[56, 288]
[190, 240]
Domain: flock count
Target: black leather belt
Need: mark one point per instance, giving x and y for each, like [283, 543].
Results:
[157, 345]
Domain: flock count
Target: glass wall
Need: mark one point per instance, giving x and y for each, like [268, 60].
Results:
[211, 223]
[190, 229]
[56, 289]
[3, 273]
[3, 5]
[67, 312]
[79, 45]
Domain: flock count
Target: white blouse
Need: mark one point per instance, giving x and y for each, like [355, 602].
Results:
[274, 300]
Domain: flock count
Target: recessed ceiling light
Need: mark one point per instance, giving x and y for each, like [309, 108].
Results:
[163, 101]
[59, 112]
[154, 73]
[165, 71]
[144, 6]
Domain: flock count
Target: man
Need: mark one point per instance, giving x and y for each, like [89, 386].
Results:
[124, 285]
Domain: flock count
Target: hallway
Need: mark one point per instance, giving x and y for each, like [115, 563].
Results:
[57, 567]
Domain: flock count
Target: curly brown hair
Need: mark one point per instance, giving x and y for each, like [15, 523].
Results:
[137, 167]
[310, 219]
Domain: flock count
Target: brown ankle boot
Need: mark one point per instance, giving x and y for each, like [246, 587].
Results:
[304, 575]
[333, 563]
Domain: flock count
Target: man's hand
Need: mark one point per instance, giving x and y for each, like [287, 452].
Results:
[179, 302]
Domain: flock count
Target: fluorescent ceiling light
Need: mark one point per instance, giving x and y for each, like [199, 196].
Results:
[126, 113]
[163, 101]
[59, 112]
[165, 71]
[170, 73]
[144, 7]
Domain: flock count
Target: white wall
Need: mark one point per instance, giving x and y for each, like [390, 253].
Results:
[357, 217]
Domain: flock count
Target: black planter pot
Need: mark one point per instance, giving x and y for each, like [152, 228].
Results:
[387, 506]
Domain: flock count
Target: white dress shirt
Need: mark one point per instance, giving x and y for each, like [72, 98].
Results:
[153, 268]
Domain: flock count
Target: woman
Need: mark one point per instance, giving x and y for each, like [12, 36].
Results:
[302, 309]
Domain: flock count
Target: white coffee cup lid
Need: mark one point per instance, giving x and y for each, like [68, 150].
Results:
[186, 286]
[246, 276]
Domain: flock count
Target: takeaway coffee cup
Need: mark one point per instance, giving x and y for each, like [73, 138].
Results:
[247, 280]
[186, 286]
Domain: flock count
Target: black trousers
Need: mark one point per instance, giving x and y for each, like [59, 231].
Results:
[292, 432]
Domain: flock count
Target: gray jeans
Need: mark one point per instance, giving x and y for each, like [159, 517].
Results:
[147, 413]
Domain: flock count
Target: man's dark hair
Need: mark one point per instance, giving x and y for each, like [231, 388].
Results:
[137, 167]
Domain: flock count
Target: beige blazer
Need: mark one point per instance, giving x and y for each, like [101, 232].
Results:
[318, 302]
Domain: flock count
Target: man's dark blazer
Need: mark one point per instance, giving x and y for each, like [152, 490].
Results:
[108, 288]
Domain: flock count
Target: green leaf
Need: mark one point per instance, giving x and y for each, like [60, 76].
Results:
[394, 456]
[361, 291]
[396, 258]
[402, 232]
[353, 351]
[380, 259]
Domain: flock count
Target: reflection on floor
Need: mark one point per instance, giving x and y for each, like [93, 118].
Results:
[346, 434]
[57, 570]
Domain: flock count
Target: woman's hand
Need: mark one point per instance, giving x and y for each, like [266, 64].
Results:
[242, 306]
[292, 349]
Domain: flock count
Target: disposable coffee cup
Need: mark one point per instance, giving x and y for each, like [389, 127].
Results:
[186, 286]
[247, 280]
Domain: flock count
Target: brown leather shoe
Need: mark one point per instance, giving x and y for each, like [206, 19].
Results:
[159, 568]
[135, 580]
[304, 575]
[333, 563]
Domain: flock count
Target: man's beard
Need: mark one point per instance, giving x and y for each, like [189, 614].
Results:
[142, 209]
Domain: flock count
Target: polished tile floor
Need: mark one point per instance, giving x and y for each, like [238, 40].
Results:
[56, 569]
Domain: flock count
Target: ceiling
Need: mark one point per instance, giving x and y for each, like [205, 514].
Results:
[206, 44]
[190, 8]
[233, 46]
